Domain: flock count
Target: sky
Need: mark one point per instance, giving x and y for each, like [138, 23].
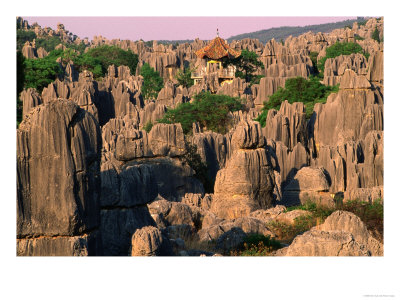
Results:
[173, 28]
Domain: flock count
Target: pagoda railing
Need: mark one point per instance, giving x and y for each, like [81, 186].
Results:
[222, 73]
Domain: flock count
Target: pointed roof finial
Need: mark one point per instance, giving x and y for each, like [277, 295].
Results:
[217, 32]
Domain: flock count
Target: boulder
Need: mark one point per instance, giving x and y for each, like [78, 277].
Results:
[146, 241]
[244, 185]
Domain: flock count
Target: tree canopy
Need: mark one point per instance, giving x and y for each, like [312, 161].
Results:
[246, 65]
[338, 49]
[209, 110]
[298, 89]
[375, 35]
[184, 77]
[152, 82]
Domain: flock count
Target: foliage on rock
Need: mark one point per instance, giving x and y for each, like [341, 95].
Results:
[309, 91]
[246, 65]
[152, 82]
[210, 111]
[337, 49]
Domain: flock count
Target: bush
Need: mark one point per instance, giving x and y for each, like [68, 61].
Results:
[375, 35]
[147, 127]
[193, 160]
[48, 43]
[246, 65]
[40, 72]
[184, 78]
[298, 89]
[152, 82]
[257, 245]
[210, 111]
[113, 55]
[23, 36]
[338, 49]
[358, 38]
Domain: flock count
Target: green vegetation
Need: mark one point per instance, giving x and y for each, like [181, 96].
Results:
[375, 35]
[20, 84]
[23, 36]
[193, 159]
[298, 89]
[313, 57]
[40, 72]
[49, 43]
[112, 55]
[362, 23]
[148, 126]
[152, 82]
[358, 38]
[184, 77]
[246, 65]
[338, 49]
[257, 245]
[370, 213]
[210, 111]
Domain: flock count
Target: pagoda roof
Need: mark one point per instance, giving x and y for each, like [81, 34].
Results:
[217, 49]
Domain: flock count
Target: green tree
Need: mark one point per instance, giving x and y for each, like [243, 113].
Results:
[23, 36]
[20, 84]
[298, 89]
[40, 72]
[338, 49]
[209, 110]
[152, 82]
[246, 65]
[113, 55]
[184, 77]
[49, 43]
[375, 35]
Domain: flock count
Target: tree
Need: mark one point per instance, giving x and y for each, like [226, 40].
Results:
[113, 55]
[20, 84]
[298, 89]
[210, 111]
[152, 82]
[338, 49]
[23, 36]
[184, 77]
[40, 72]
[246, 65]
[375, 35]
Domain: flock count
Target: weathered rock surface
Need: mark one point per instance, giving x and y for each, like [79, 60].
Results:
[244, 185]
[61, 142]
[146, 241]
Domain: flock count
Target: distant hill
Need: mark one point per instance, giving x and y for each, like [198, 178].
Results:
[283, 32]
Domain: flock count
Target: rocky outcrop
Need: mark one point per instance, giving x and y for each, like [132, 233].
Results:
[309, 184]
[61, 142]
[288, 125]
[342, 234]
[147, 241]
[244, 185]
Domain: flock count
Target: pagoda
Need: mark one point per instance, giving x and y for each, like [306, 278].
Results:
[213, 53]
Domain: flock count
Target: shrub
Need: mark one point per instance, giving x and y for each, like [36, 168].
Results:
[246, 65]
[358, 38]
[48, 43]
[256, 245]
[210, 111]
[309, 91]
[40, 72]
[338, 49]
[23, 36]
[313, 57]
[147, 127]
[193, 160]
[375, 35]
[152, 82]
[184, 77]
[113, 55]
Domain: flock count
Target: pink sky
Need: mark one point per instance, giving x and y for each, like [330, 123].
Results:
[173, 28]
